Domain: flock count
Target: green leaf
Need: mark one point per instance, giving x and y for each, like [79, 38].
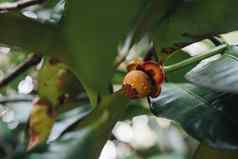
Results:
[218, 75]
[193, 20]
[206, 152]
[206, 115]
[17, 30]
[57, 83]
[93, 32]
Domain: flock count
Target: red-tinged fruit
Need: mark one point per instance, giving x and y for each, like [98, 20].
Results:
[155, 71]
[136, 84]
[144, 78]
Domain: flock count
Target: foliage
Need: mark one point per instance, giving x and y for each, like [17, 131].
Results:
[80, 43]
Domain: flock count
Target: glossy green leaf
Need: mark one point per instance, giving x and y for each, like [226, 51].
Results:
[206, 115]
[218, 75]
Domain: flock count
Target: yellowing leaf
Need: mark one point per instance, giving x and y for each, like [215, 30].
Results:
[40, 123]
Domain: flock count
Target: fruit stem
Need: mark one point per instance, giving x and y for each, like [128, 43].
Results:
[195, 59]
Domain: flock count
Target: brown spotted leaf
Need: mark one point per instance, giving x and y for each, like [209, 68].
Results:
[40, 123]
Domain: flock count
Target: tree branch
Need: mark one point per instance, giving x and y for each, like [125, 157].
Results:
[31, 61]
[6, 7]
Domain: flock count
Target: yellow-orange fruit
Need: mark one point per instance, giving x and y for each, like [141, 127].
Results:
[134, 64]
[136, 84]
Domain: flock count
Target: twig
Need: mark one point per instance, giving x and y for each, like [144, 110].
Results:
[195, 59]
[6, 7]
[31, 61]
[15, 99]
